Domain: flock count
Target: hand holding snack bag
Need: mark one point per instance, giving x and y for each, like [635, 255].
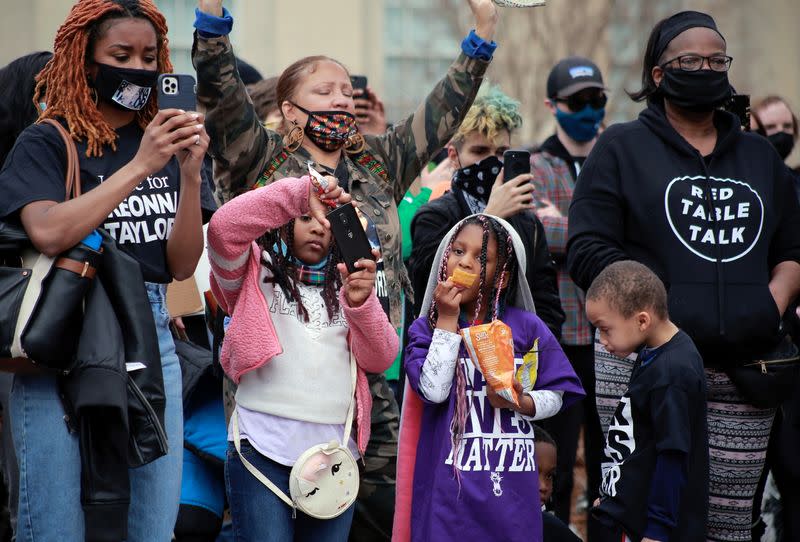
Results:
[491, 348]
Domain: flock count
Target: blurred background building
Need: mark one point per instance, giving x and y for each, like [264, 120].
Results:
[404, 46]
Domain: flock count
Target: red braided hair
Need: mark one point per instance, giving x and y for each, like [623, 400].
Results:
[63, 83]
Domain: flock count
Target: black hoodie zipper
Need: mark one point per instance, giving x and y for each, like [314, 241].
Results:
[717, 258]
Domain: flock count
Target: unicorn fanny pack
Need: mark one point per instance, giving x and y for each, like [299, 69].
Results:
[324, 480]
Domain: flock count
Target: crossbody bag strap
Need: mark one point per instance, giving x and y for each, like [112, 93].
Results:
[237, 441]
[348, 423]
[72, 181]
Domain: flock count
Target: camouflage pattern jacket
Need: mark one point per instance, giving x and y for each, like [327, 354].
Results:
[242, 148]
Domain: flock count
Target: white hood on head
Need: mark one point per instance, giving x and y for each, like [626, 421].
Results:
[523, 298]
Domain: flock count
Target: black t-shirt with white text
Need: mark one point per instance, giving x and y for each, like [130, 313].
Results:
[141, 223]
[663, 410]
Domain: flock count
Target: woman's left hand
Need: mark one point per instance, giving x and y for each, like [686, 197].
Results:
[191, 159]
[358, 286]
[486, 17]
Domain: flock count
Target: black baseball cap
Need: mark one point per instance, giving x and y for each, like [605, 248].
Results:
[571, 75]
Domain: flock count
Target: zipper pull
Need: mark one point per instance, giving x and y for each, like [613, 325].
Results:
[763, 367]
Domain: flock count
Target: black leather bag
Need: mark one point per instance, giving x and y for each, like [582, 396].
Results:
[43, 296]
[768, 382]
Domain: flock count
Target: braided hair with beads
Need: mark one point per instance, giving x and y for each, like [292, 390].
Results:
[283, 269]
[495, 291]
[63, 84]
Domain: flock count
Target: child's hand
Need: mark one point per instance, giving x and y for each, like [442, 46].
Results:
[526, 405]
[318, 204]
[447, 297]
[358, 286]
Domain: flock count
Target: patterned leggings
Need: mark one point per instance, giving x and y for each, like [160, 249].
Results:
[738, 434]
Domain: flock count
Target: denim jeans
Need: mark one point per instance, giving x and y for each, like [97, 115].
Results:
[49, 457]
[258, 515]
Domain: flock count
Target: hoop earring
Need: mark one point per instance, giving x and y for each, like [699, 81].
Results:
[294, 138]
[355, 144]
[93, 92]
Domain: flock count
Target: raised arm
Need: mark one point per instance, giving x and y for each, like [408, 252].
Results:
[240, 145]
[408, 145]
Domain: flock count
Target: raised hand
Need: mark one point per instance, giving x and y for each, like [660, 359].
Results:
[318, 204]
[370, 112]
[447, 297]
[191, 158]
[509, 198]
[212, 7]
[486, 17]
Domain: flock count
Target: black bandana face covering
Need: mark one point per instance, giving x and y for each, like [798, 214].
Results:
[478, 179]
[783, 143]
[124, 88]
[699, 91]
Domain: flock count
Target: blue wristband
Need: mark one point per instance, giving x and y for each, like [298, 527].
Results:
[210, 26]
[475, 46]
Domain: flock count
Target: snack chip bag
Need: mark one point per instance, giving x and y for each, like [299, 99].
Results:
[526, 374]
[491, 348]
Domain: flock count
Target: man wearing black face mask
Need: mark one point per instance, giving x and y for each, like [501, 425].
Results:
[712, 211]
[576, 97]
[477, 186]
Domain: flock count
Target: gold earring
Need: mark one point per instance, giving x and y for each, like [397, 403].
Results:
[294, 138]
[355, 144]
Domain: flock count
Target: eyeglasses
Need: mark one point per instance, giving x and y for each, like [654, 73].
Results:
[693, 63]
[579, 101]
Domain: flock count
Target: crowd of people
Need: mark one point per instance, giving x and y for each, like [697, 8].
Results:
[644, 274]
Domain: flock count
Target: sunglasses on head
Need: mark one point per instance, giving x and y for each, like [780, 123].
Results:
[579, 100]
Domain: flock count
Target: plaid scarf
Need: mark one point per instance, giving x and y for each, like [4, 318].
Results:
[313, 275]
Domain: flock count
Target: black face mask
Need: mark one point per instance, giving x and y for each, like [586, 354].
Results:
[477, 180]
[124, 88]
[783, 143]
[700, 91]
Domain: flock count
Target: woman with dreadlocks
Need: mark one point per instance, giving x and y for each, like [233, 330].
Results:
[297, 315]
[467, 462]
[134, 162]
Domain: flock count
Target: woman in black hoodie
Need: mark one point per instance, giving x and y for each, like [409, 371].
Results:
[711, 210]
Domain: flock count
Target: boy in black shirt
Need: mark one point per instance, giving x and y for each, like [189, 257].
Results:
[655, 470]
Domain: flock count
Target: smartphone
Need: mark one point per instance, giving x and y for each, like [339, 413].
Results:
[359, 81]
[515, 163]
[178, 91]
[739, 105]
[351, 239]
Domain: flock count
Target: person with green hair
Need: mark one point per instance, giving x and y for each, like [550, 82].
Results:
[475, 153]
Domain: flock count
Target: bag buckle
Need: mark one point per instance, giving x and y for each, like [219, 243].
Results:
[763, 367]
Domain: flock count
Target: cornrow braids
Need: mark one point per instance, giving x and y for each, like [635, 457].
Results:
[284, 270]
[63, 83]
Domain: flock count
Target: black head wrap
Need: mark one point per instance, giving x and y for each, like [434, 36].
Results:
[677, 24]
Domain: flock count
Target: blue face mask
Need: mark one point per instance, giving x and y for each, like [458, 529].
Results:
[583, 125]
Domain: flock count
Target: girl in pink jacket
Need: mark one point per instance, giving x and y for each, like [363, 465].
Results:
[296, 316]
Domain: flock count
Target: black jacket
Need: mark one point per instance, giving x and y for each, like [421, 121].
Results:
[435, 219]
[119, 415]
[645, 194]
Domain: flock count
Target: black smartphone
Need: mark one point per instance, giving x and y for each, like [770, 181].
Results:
[359, 81]
[178, 91]
[515, 163]
[739, 105]
[351, 239]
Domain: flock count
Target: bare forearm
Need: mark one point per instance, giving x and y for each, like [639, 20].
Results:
[185, 243]
[785, 284]
[55, 228]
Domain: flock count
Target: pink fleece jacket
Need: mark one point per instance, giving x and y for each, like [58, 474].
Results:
[251, 341]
